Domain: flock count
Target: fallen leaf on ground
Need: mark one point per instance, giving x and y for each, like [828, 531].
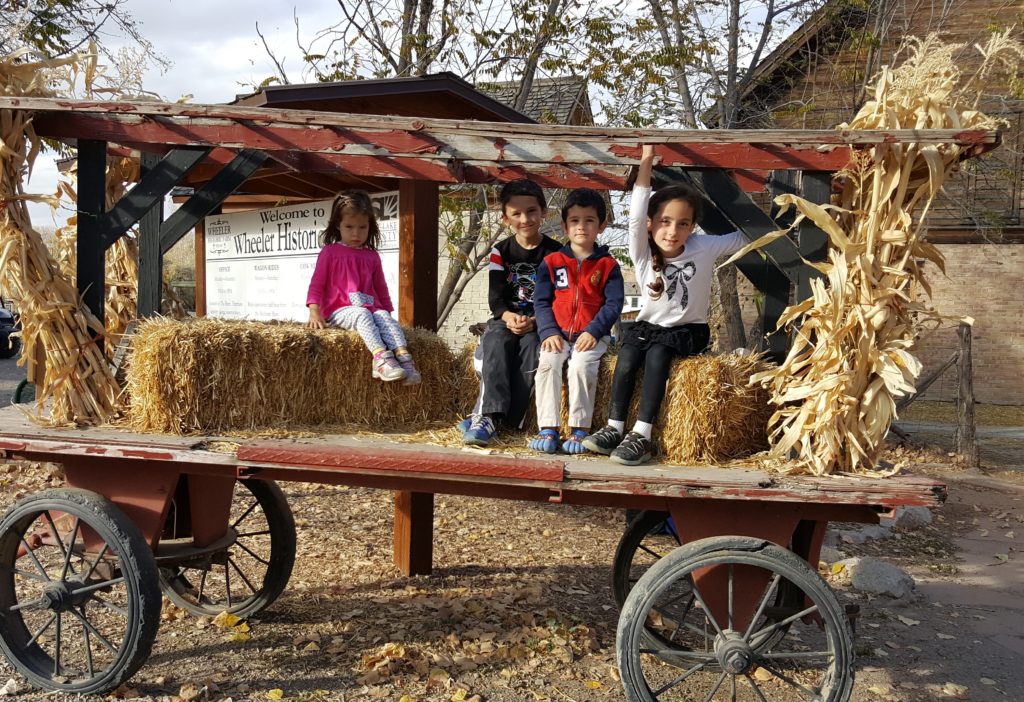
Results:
[988, 681]
[946, 637]
[953, 690]
[275, 694]
[907, 620]
[226, 619]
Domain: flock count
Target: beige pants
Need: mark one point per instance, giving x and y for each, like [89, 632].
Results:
[583, 370]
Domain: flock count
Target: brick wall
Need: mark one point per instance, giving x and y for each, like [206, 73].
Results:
[983, 281]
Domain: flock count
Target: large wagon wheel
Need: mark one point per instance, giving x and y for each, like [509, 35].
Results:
[79, 601]
[649, 537]
[253, 567]
[713, 654]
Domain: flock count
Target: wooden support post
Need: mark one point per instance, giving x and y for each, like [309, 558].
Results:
[417, 307]
[965, 442]
[816, 186]
[200, 268]
[92, 189]
[151, 268]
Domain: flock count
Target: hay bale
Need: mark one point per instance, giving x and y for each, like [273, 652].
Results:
[710, 413]
[209, 375]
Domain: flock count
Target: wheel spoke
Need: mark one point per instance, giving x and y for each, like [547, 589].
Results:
[686, 611]
[242, 575]
[88, 647]
[40, 630]
[764, 603]
[31, 604]
[645, 549]
[56, 647]
[827, 656]
[55, 533]
[227, 583]
[672, 683]
[246, 513]
[70, 549]
[99, 586]
[202, 586]
[707, 612]
[99, 557]
[32, 555]
[110, 605]
[252, 553]
[681, 654]
[761, 636]
[265, 532]
[729, 606]
[757, 690]
[103, 639]
[811, 694]
[733, 688]
[23, 573]
[711, 694]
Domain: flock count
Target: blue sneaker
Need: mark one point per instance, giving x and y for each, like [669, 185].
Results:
[480, 432]
[546, 441]
[574, 444]
[464, 425]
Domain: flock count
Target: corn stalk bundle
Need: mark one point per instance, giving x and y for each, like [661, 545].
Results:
[851, 355]
[78, 379]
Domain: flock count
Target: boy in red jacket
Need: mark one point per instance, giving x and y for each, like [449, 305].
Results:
[578, 297]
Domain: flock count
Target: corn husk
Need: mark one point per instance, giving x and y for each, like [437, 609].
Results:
[78, 381]
[850, 357]
[208, 376]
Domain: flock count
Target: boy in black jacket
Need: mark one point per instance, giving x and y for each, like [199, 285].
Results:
[510, 346]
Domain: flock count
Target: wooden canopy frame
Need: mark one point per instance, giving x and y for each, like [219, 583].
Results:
[232, 143]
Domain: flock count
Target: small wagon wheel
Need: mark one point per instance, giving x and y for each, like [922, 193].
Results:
[697, 599]
[253, 568]
[79, 600]
[649, 537]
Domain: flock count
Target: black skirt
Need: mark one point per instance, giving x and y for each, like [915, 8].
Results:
[685, 340]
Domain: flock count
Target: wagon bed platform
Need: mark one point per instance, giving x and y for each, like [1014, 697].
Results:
[379, 462]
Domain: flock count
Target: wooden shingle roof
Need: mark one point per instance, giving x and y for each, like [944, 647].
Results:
[559, 100]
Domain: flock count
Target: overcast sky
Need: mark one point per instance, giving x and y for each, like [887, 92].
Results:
[215, 54]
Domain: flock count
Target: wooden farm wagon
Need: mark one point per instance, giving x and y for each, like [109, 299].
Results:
[82, 568]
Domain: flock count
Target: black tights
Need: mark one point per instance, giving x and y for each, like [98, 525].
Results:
[656, 370]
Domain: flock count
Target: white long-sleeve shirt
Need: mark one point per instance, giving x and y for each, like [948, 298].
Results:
[687, 277]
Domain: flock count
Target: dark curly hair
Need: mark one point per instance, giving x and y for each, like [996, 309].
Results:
[356, 202]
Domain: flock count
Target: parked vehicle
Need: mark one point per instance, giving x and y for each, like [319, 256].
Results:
[9, 323]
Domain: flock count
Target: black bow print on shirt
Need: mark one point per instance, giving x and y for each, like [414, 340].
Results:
[673, 273]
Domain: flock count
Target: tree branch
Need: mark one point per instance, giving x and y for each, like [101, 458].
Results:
[270, 53]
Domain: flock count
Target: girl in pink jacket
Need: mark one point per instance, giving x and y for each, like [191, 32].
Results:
[348, 288]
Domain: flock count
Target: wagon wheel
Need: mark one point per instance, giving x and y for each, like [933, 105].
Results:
[713, 654]
[249, 574]
[79, 601]
[649, 537]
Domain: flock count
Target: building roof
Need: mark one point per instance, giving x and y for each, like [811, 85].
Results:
[441, 95]
[558, 100]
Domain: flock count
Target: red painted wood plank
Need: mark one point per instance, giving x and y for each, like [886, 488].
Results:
[400, 459]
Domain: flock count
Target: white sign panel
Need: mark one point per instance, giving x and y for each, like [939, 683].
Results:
[259, 263]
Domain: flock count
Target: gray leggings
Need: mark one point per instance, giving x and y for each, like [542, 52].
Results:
[378, 329]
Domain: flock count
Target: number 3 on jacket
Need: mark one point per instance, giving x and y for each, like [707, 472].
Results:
[561, 278]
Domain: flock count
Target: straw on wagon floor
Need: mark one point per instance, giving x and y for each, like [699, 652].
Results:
[850, 357]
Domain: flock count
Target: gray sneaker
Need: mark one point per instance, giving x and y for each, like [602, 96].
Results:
[386, 367]
[604, 440]
[634, 450]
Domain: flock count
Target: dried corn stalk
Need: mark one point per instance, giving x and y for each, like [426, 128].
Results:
[850, 357]
[78, 379]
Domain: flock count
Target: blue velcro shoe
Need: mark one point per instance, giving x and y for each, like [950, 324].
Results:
[574, 444]
[465, 424]
[546, 441]
[480, 432]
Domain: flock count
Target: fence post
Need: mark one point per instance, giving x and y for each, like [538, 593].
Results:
[965, 444]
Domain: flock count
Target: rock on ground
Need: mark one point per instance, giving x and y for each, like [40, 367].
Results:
[878, 577]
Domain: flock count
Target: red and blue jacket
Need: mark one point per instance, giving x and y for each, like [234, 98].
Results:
[575, 296]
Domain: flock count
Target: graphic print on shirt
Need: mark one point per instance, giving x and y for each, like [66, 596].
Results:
[678, 276]
[522, 277]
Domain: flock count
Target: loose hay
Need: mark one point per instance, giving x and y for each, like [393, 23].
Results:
[207, 375]
[711, 412]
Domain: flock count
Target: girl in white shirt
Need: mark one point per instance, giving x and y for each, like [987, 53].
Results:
[673, 270]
